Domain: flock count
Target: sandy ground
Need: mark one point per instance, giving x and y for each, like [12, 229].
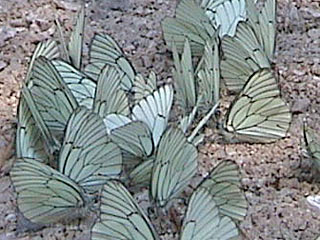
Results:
[277, 177]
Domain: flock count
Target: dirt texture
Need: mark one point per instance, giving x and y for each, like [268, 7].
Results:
[277, 177]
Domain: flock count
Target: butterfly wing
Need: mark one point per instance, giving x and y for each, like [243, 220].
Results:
[242, 56]
[258, 114]
[46, 196]
[223, 183]
[76, 40]
[120, 216]
[154, 111]
[110, 98]
[29, 140]
[81, 86]
[87, 156]
[203, 221]
[104, 50]
[267, 23]
[175, 164]
[135, 139]
[183, 74]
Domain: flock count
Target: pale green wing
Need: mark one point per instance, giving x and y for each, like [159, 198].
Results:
[135, 139]
[203, 221]
[225, 14]
[143, 87]
[190, 22]
[104, 50]
[87, 156]
[76, 40]
[48, 49]
[175, 165]
[258, 114]
[154, 111]
[183, 74]
[121, 217]
[82, 87]
[46, 196]
[242, 56]
[209, 76]
[223, 183]
[110, 97]
[29, 140]
[312, 144]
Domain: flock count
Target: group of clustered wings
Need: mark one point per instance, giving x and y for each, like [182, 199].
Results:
[87, 133]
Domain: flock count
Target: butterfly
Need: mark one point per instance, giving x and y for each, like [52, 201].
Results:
[258, 114]
[104, 50]
[120, 216]
[251, 48]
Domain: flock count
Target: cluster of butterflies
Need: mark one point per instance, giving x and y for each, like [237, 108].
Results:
[236, 42]
[84, 133]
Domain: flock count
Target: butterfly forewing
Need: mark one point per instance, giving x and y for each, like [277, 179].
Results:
[120, 216]
[87, 156]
